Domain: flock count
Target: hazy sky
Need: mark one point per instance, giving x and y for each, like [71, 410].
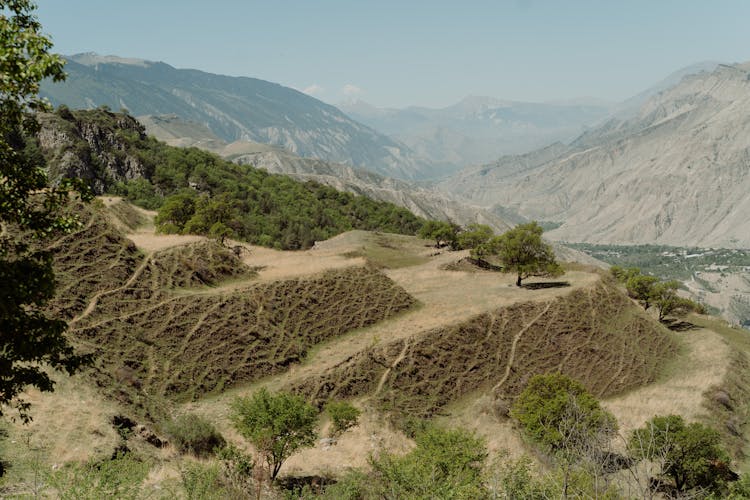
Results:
[431, 53]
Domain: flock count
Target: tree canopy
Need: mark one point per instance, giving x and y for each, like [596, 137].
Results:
[690, 454]
[30, 211]
[276, 424]
[522, 250]
[560, 414]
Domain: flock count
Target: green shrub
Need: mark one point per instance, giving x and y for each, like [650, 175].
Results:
[558, 413]
[193, 434]
[343, 415]
[121, 477]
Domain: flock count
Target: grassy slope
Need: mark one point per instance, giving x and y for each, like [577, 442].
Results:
[160, 315]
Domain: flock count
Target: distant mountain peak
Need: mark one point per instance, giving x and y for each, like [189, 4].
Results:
[92, 59]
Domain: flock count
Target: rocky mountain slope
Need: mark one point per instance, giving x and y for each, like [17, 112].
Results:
[676, 173]
[479, 129]
[423, 201]
[233, 108]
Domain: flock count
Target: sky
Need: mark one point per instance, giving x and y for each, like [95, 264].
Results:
[426, 53]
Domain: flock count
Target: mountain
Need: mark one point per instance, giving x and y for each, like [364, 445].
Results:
[479, 129]
[233, 108]
[677, 173]
[422, 201]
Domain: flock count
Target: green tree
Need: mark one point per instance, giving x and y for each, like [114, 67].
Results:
[473, 236]
[558, 412]
[276, 424]
[690, 454]
[641, 287]
[521, 250]
[444, 233]
[344, 415]
[664, 297]
[30, 210]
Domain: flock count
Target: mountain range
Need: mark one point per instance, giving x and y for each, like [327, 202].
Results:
[234, 108]
[677, 172]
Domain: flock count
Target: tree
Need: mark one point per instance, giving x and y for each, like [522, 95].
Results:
[665, 298]
[522, 250]
[641, 287]
[276, 424]
[344, 416]
[473, 236]
[556, 412]
[444, 233]
[30, 211]
[691, 454]
[559, 414]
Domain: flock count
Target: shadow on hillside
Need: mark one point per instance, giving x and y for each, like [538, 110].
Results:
[678, 325]
[548, 284]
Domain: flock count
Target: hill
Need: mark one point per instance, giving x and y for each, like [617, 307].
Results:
[676, 173]
[198, 192]
[181, 325]
[233, 108]
[421, 200]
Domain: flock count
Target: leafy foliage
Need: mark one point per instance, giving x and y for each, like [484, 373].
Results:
[690, 454]
[559, 413]
[344, 415]
[522, 250]
[120, 477]
[473, 236]
[649, 290]
[444, 233]
[30, 210]
[444, 464]
[193, 434]
[276, 424]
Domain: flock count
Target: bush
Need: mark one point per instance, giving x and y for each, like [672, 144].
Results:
[558, 413]
[276, 424]
[343, 415]
[193, 434]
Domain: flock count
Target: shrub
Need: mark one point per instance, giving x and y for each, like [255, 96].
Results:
[276, 424]
[559, 413]
[193, 434]
[343, 415]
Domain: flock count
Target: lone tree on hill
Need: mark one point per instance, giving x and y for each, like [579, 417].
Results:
[30, 211]
[522, 250]
[277, 425]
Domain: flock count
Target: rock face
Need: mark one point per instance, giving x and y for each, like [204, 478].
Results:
[676, 173]
[96, 151]
[234, 109]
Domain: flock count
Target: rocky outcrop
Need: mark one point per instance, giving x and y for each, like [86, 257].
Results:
[96, 150]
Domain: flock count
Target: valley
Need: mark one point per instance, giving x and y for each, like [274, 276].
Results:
[218, 286]
[412, 337]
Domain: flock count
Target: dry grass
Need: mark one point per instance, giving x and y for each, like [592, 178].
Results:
[593, 334]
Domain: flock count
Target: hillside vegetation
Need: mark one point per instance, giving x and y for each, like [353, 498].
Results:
[198, 192]
[189, 320]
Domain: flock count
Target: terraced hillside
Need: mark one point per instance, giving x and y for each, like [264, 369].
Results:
[191, 319]
[593, 334]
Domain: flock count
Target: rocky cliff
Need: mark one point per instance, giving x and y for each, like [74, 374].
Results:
[676, 173]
